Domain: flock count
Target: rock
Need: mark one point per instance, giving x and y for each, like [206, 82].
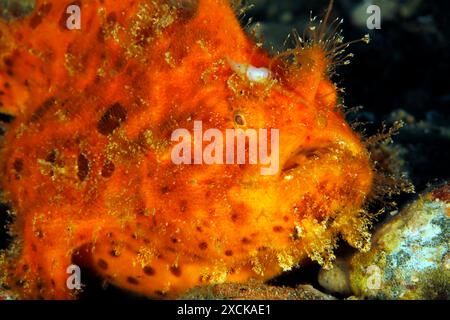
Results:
[254, 290]
[335, 280]
[409, 258]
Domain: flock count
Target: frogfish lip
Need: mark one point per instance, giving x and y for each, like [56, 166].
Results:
[332, 170]
[302, 154]
[324, 153]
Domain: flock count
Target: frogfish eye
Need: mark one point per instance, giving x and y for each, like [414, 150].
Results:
[239, 119]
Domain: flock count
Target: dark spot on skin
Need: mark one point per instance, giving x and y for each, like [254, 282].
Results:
[286, 218]
[51, 157]
[245, 240]
[83, 167]
[25, 267]
[45, 8]
[187, 9]
[63, 20]
[18, 165]
[183, 205]
[277, 229]
[102, 264]
[35, 21]
[42, 109]
[20, 283]
[132, 280]
[199, 229]
[111, 119]
[39, 285]
[33, 247]
[149, 270]
[228, 253]
[7, 85]
[37, 18]
[176, 271]
[174, 240]
[234, 217]
[101, 36]
[108, 169]
[203, 245]
[120, 63]
[8, 61]
[165, 190]
[111, 18]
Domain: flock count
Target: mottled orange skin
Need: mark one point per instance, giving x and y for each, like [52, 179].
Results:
[86, 163]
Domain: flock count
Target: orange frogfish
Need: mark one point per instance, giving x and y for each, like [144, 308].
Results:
[87, 166]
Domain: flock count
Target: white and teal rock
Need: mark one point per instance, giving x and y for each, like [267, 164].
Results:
[409, 258]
